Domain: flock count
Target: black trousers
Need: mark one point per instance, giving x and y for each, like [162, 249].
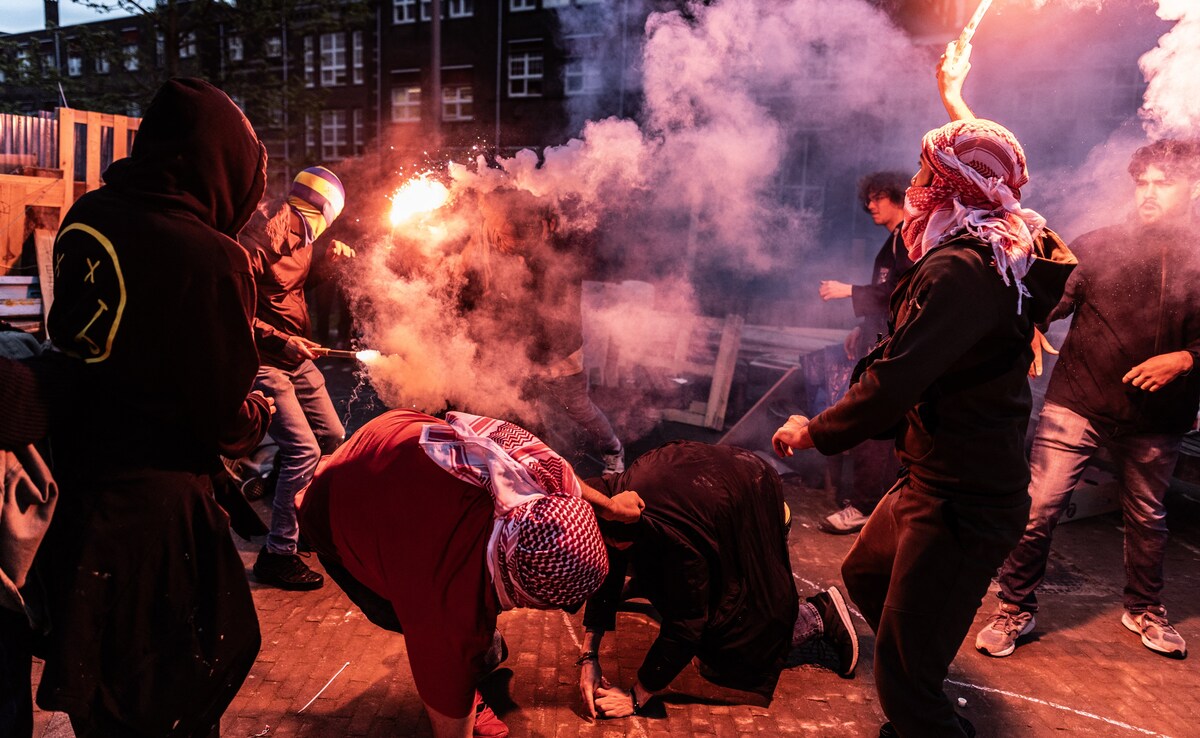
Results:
[918, 572]
[16, 658]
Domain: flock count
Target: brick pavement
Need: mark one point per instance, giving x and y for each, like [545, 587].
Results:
[1080, 673]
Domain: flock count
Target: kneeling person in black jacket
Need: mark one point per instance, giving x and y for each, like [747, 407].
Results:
[710, 553]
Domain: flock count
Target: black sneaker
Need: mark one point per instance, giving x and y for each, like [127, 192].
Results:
[838, 628]
[887, 731]
[286, 571]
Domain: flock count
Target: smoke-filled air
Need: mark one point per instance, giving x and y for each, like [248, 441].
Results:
[754, 121]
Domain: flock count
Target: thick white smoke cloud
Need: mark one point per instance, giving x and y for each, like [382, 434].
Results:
[747, 108]
[1172, 106]
[692, 189]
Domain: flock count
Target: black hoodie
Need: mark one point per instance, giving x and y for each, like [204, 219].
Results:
[954, 373]
[155, 296]
[1133, 296]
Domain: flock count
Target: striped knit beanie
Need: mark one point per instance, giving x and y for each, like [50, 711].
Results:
[318, 196]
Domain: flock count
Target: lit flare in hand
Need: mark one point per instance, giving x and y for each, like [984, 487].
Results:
[416, 197]
[968, 30]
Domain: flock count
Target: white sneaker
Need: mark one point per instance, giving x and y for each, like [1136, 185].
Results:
[847, 520]
[1157, 634]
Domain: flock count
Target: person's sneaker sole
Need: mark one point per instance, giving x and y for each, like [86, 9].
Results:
[1012, 647]
[1132, 625]
[839, 603]
[825, 527]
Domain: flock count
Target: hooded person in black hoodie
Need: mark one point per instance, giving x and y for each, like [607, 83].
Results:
[950, 383]
[153, 628]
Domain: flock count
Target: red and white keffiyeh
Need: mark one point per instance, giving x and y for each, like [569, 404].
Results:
[546, 549]
[978, 172]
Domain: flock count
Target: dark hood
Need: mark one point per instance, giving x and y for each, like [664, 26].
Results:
[1047, 278]
[196, 151]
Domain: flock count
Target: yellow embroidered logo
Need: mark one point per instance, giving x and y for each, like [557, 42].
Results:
[89, 280]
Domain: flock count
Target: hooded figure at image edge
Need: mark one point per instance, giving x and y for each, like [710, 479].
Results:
[152, 626]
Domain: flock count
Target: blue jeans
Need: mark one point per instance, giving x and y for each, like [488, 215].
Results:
[304, 423]
[1062, 446]
[571, 392]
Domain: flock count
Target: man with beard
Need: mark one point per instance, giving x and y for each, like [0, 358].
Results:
[153, 628]
[1124, 383]
[951, 384]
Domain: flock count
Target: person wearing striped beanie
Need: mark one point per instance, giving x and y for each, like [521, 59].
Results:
[280, 242]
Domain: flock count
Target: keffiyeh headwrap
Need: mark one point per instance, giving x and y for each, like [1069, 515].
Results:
[978, 172]
[546, 549]
[318, 196]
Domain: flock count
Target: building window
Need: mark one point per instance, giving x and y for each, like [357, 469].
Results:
[24, 65]
[333, 59]
[404, 11]
[333, 134]
[456, 103]
[458, 9]
[274, 115]
[187, 45]
[102, 64]
[310, 134]
[581, 77]
[358, 131]
[274, 47]
[357, 56]
[406, 105]
[309, 61]
[517, 6]
[130, 52]
[74, 64]
[525, 74]
[234, 45]
[48, 64]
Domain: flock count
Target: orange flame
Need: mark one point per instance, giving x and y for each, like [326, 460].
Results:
[417, 197]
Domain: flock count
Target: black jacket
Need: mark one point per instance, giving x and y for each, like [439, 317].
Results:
[1133, 296]
[872, 301]
[280, 274]
[954, 372]
[153, 295]
[710, 555]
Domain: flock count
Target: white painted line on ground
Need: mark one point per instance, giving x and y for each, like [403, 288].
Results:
[1188, 546]
[1055, 705]
[318, 694]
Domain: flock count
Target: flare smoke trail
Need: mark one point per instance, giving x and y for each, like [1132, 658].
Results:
[730, 93]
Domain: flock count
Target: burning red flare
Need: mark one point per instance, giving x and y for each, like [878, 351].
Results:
[417, 197]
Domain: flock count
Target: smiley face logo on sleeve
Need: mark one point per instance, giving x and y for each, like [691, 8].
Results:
[89, 293]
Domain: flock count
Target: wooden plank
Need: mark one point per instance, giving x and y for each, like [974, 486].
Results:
[66, 156]
[24, 307]
[43, 243]
[718, 394]
[41, 191]
[120, 137]
[94, 129]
